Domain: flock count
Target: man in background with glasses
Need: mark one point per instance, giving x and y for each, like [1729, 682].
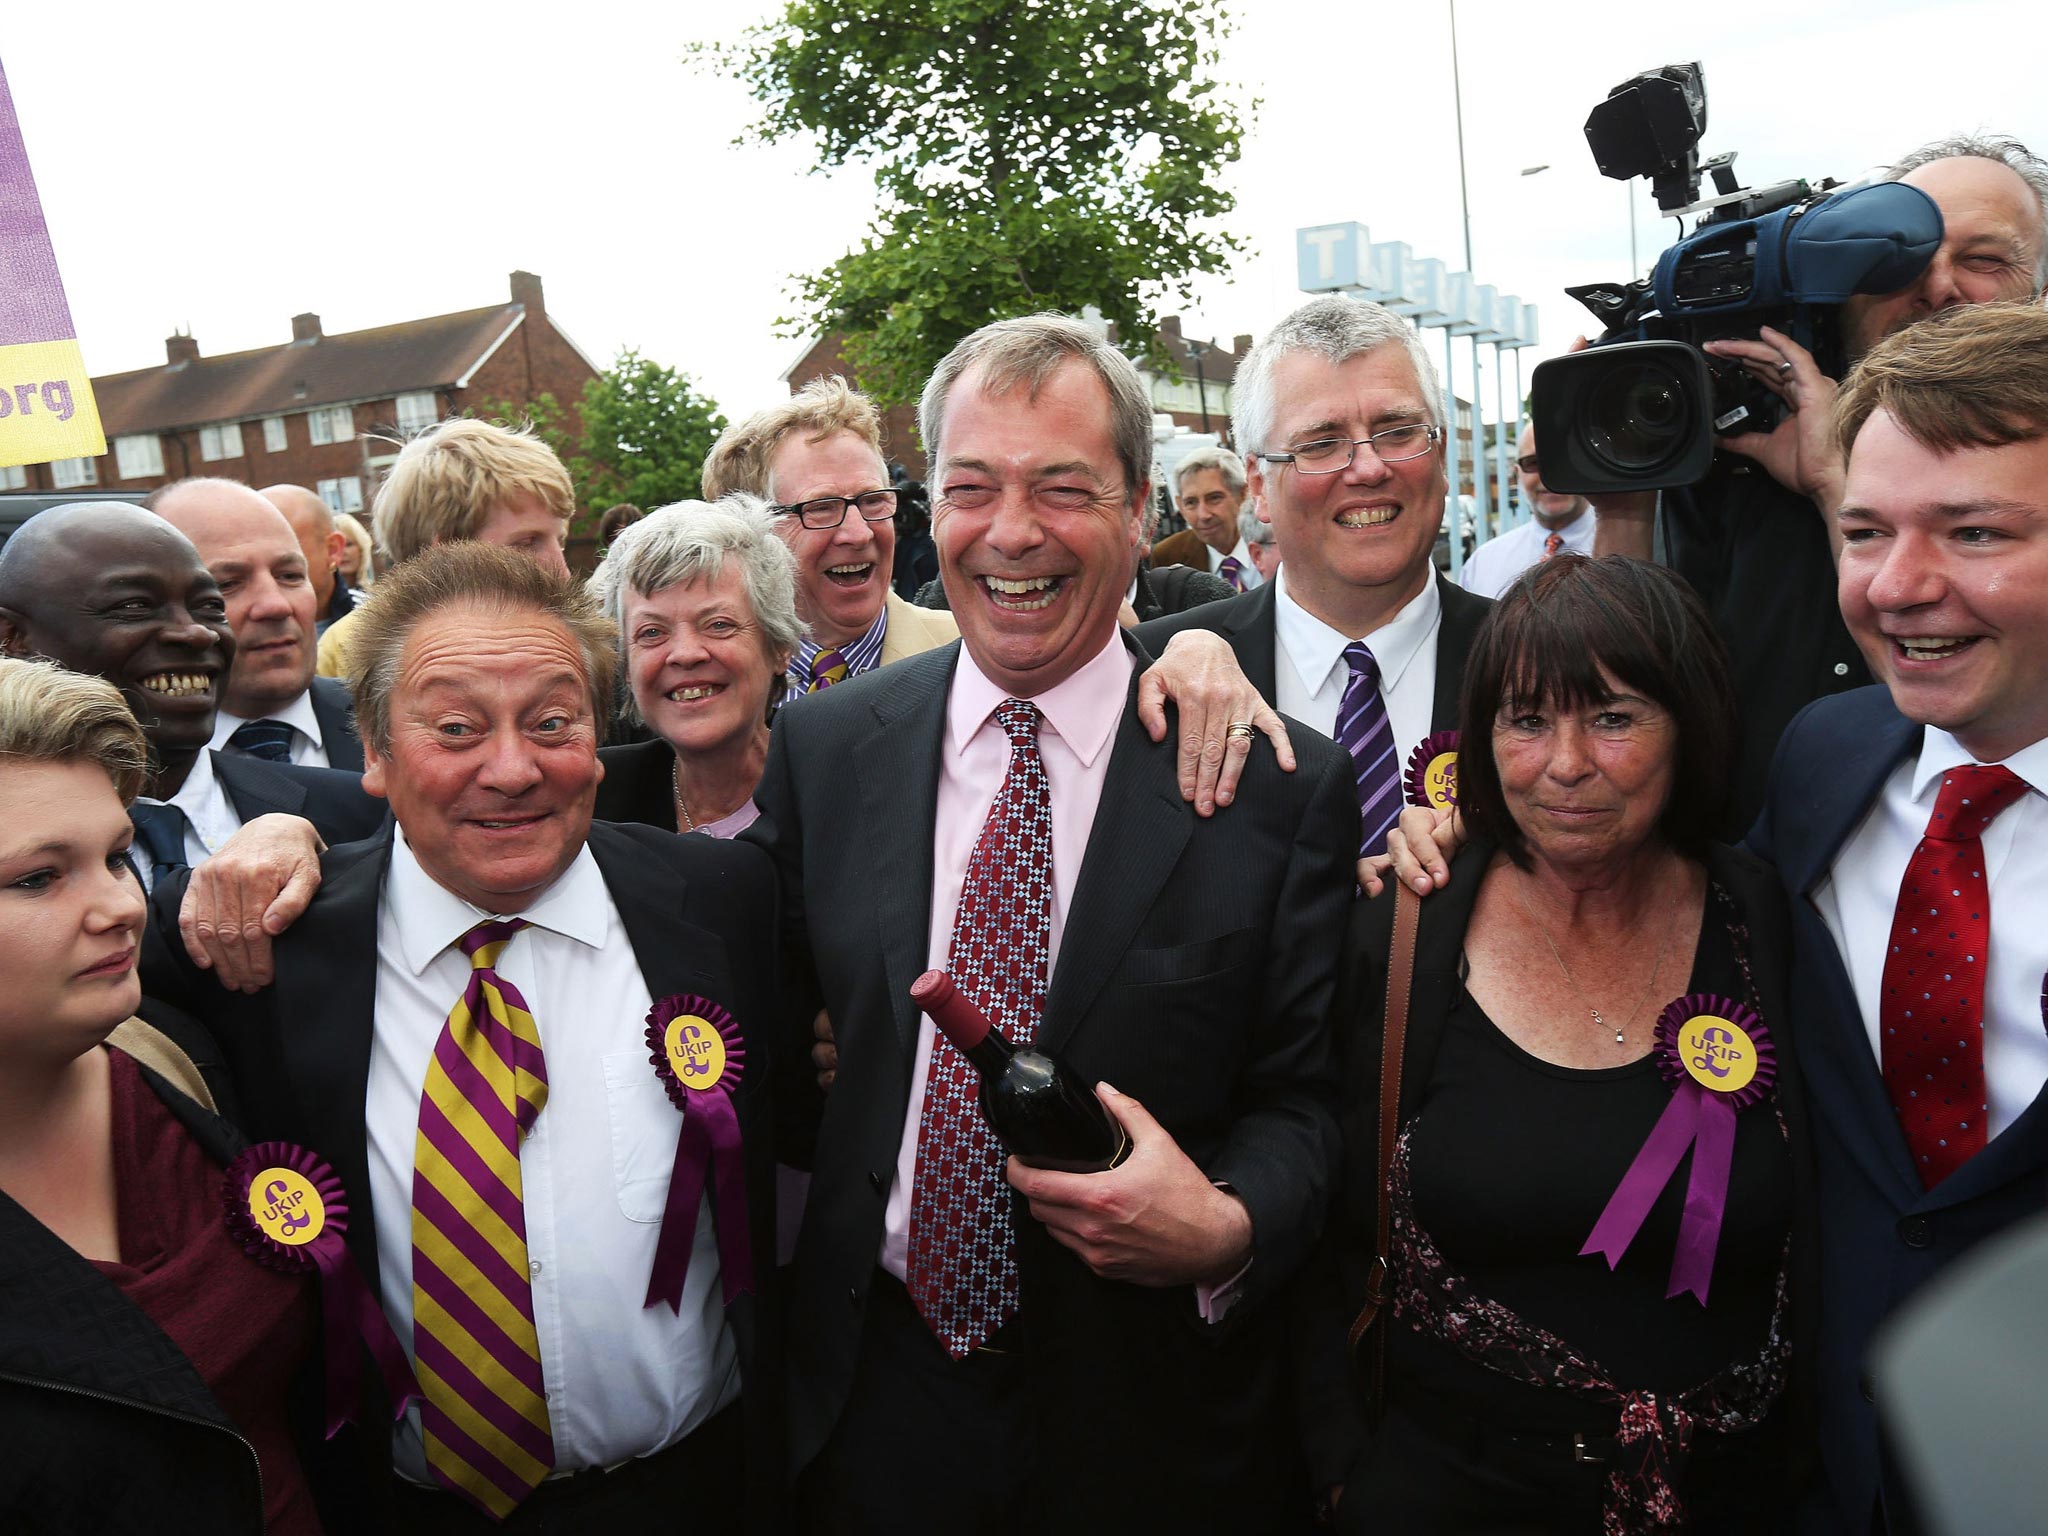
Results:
[816, 458]
[1340, 420]
[1558, 525]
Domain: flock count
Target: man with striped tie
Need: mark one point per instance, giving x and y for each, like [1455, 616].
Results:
[273, 707]
[461, 1027]
[816, 459]
[1338, 411]
[1208, 487]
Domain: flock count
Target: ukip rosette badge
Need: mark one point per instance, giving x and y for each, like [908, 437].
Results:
[287, 1210]
[700, 1057]
[1433, 773]
[1718, 1057]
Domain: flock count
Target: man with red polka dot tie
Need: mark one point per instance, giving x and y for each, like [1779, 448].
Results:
[1909, 824]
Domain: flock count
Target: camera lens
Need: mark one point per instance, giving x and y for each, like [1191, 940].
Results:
[1636, 418]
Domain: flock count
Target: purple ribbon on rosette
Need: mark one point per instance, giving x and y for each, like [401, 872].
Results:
[699, 1056]
[1432, 782]
[287, 1209]
[1717, 1055]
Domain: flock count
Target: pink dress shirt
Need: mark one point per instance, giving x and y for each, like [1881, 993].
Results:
[1080, 718]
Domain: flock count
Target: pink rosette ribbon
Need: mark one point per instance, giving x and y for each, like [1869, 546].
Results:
[287, 1209]
[699, 1056]
[1438, 789]
[1717, 1055]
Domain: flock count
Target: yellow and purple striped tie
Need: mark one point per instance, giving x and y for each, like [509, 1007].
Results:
[485, 1413]
[827, 668]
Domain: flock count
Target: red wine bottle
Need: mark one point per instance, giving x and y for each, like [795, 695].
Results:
[1033, 1101]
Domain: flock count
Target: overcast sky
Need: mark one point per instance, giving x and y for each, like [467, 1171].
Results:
[222, 167]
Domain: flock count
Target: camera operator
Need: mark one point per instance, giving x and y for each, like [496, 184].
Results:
[1759, 548]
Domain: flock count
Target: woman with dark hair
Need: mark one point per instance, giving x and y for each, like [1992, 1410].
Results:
[1595, 1203]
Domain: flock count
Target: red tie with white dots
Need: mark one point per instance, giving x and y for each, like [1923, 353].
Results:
[962, 1267]
[1931, 1009]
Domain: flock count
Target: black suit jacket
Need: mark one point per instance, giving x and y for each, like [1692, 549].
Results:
[1195, 973]
[1331, 1388]
[1246, 621]
[1882, 1235]
[336, 712]
[700, 914]
[334, 800]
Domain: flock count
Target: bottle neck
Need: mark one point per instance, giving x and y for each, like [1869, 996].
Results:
[991, 1053]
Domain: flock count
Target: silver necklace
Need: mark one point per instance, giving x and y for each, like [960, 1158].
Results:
[1573, 981]
[675, 778]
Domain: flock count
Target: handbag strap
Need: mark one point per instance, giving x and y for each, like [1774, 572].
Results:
[162, 1055]
[1393, 1046]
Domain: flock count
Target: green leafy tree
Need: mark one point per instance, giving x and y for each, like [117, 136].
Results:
[646, 432]
[640, 434]
[1028, 155]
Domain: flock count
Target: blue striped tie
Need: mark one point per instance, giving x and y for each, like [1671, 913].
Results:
[1364, 731]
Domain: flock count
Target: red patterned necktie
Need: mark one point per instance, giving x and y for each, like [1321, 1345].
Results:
[485, 1413]
[962, 1272]
[1552, 543]
[1931, 1011]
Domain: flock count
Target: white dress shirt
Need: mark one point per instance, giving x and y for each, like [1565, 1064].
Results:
[623, 1379]
[1860, 893]
[308, 750]
[1310, 673]
[1496, 563]
[1080, 717]
[210, 818]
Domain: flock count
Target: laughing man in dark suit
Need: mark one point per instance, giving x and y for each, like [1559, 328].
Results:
[1341, 420]
[114, 591]
[1071, 1352]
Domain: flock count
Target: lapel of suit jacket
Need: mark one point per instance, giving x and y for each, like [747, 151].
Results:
[1141, 826]
[1251, 633]
[1826, 807]
[896, 763]
[254, 790]
[325, 1016]
[1463, 613]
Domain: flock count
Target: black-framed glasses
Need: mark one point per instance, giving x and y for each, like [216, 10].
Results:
[1528, 464]
[1327, 455]
[822, 512]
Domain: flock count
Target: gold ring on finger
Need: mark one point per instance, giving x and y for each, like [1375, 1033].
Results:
[1239, 728]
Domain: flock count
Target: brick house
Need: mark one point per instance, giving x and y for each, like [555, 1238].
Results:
[321, 411]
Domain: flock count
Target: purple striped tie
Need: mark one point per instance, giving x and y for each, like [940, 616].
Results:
[1364, 731]
[1232, 571]
[475, 1349]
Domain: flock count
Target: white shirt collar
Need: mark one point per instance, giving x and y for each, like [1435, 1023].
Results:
[1083, 710]
[1578, 533]
[1940, 752]
[298, 715]
[428, 917]
[1314, 649]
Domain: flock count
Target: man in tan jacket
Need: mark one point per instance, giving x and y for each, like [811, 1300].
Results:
[816, 458]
